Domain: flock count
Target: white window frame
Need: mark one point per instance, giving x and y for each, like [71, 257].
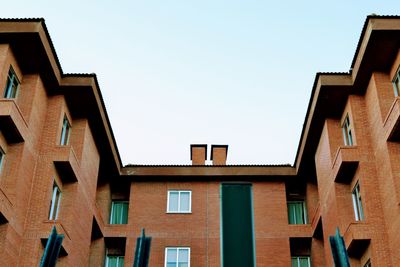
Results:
[368, 263]
[357, 203]
[112, 210]
[299, 257]
[347, 132]
[395, 82]
[179, 201]
[11, 77]
[118, 258]
[65, 131]
[177, 255]
[2, 156]
[55, 206]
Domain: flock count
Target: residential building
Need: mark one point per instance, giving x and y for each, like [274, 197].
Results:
[60, 166]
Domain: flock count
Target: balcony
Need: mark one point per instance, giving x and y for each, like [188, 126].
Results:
[345, 164]
[66, 163]
[391, 125]
[356, 239]
[12, 123]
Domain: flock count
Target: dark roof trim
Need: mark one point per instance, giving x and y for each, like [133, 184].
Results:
[306, 117]
[208, 166]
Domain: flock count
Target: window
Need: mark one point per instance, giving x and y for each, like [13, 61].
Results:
[2, 155]
[396, 83]
[297, 212]
[179, 202]
[12, 85]
[55, 203]
[65, 132]
[119, 212]
[368, 264]
[177, 257]
[301, 261]
[358, 210]
[114, 261]
[347, 134]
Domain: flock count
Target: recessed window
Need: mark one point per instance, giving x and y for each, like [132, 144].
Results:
[177, 257]
[119, 212]
[297, 212]
[2, 156]
[396, 83]
[55, 203]
[357, 205]
[368, 264]
[179, 201]
[301, 261]
[12, 85]
[65, 132]
[114, 261]
[347, 133]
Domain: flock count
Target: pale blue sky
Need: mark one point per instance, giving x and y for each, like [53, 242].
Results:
[173, 73]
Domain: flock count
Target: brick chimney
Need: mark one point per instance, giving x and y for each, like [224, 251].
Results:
[219, 154]
[198, 154]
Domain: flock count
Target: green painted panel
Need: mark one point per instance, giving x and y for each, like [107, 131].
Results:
[237, 240]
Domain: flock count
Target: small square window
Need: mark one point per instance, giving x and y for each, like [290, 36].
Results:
[12, 85]
[396, 83]
[119, 212]
[301, 261]
[357, 205]
[65, 132]
[177, 257]
[114, 261]
[347, 133]
[179, 201]
[55, 203]
[297, 212]
[2, 156]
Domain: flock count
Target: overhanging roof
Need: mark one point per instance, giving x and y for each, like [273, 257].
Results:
[209, 171]
[35, 53]
[379, 43]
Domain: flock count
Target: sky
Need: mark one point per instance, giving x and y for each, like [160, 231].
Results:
[174, 73]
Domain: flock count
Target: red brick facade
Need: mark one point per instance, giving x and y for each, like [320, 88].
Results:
[88, 173]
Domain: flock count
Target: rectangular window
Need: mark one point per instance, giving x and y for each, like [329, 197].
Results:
[358, 210]
[65, 132]
[177, 257]
[55, 203]
[179, 201]
[2, 156]
[396, 83]
[297, 212]
[347, 134]
[114, 261]
[12, 85]
[301, 261]
[119, 212]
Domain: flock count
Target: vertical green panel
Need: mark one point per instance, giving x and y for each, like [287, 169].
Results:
[237, 234]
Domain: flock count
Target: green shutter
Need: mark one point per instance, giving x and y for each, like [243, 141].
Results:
[237, 234]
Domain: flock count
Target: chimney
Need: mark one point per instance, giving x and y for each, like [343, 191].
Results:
[198, 154]
[219, 154]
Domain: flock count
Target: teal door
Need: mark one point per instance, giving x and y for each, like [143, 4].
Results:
[237, 233]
